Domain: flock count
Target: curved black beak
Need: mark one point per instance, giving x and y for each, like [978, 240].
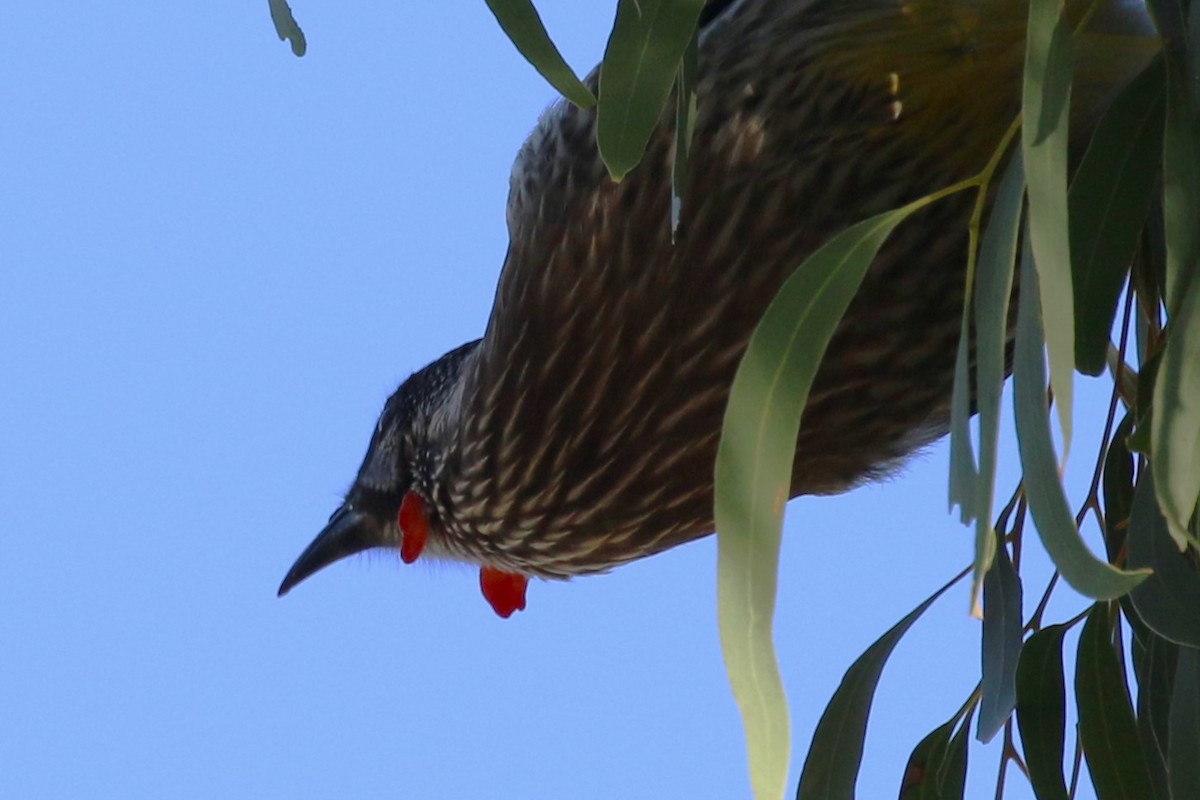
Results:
[349, 531]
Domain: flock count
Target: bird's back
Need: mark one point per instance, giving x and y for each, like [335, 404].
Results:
[591, 411]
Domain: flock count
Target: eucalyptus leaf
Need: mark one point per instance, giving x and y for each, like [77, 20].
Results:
[1175, 423]
[1044, 136]
[1117, 488]
[1002, 628]
[1183, 760]
[1181, 177]
[1042, 710]
[831, 767]
[286, 26]
[921, 771]
[753, 477]
[964, 476]
[993, 290]
[648, 40]
[952, 776]
[1154, 660]
[1107, 727]
[1169, 600]
[1109, 198]
[519, 19]
[1048, 504]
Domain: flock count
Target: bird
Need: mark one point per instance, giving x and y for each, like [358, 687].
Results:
[579, 432]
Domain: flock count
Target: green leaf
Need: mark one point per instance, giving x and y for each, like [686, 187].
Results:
[685, 124]
[937, 768]
[831, 766]
[753, 477]
[1045, 100]
[993, 289]
[964, 477]
[647, 42]
[1139, 440]
[520, 21]
[1183, 758]
[952, 777]
[1169, 600]
[1118, 488]
[1181, 179]
[1107, 727]
[925, 762]
[1042, 710]
[1154, 661]
[1109, 198]
[1048, 504]
[1175, 423]
[1002, 626]
[286, 26]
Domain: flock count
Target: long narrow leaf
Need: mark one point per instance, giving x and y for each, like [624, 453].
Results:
[1001, 645]
[521, 22]
[964, 475]
[831, 767]
[1175, 423]
[1181, 176]
[648, 40]
[1118, 488]
[1184, 748]
[1154, 660]
[952, 777]
[1106, 723]
[1042, 710]
[286, 26]
[1045, 103]
[1109, 198]
[1043, 487]
[753, 477]
[921, 771]
[1169, 600]
[993, 288]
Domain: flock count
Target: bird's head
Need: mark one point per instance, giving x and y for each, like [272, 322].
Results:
[388, 504]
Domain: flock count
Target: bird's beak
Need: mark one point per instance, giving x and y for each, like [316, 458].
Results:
[349, 531]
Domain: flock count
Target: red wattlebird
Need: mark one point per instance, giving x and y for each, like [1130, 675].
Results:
[579, 432]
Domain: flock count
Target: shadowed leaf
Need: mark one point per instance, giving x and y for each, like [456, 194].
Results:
[286, 26]
[831, 767]
[1107, 727]
[1109, 197]
[1175, 423]
[1042, 710]
[920, 773]
[1183, 758]
[1154, 661]
[1118, 488]
[1169, 600]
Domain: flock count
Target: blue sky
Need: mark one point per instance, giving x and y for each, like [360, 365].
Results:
[218, 261]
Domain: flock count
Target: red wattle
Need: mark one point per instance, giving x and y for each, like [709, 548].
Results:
[414, 527]
[504, 590]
